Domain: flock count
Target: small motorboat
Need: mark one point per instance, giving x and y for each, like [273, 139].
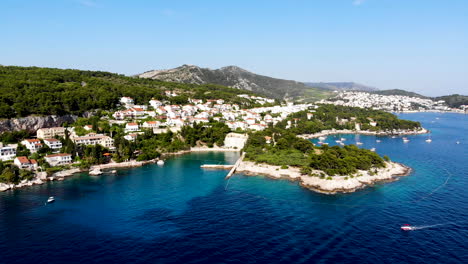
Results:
[342, 144]
[458, 142]
[406, 227]
[160, 162]
[405, 140]
[320, 142]
[428, 140]
[342, 139]
[393, 136]
[322, 138]
[51, 199]
[338, 141]
[113, 171]
[359, 143]
[378, 141]
[372, 149]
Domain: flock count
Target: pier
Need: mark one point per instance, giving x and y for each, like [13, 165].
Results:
[232, 168]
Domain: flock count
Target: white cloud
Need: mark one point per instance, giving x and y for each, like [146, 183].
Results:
[358, 2]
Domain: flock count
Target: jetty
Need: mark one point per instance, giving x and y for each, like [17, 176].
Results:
[216, 166]
[232, 168]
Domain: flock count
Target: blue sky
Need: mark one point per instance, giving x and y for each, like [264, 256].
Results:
[417, 45]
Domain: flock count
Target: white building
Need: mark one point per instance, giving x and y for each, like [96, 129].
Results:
[32, 144]
[126, 100]
[50, 132]
[95, 139]
[7, 152]
[25, 163]
[235, 140]
[58, 159]
[53, 143]
[132, 127]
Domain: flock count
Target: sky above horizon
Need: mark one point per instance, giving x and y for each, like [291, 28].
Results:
[419, 45]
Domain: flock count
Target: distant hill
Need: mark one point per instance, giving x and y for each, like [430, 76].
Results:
[341, 86]
[399, 92]
[454, 100]
[235, 77]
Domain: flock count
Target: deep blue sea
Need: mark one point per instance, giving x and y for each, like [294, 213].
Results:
[180, 213]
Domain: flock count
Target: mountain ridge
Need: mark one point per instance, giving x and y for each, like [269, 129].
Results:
[235, 77]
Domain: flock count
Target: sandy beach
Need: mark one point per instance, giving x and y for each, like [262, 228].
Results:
[338, 184]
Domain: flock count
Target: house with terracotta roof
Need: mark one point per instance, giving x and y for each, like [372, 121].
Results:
[50, 132]
[58, 159]
[151, 124]
[32, 144]
[24, 163]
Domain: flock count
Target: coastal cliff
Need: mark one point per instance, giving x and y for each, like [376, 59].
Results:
[33, 123]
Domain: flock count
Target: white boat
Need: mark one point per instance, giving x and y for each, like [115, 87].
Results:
[160, 162]
[359, 143]
[428, 140]
[458, 142]
[113, 171]
[372, 149]
[338, 141]
[405, 140]
[322, 138]
[393, 136]
[320, 142]
[342, 144]
[51, 199]
[378, 141]
[342, 139]
[406, 227]
[324, 143]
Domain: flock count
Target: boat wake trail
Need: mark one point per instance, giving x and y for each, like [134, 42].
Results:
[430, 226]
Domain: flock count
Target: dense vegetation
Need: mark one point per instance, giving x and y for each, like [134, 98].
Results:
[9, 173]
[279, 145]
[285, 149]
[454, 100]
[45, 91]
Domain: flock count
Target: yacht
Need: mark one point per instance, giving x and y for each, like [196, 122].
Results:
[428, 140]
[338, 141]
[51, 199]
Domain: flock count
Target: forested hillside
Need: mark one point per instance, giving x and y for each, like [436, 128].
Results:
[46, 91]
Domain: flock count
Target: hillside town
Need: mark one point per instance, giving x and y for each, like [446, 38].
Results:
[158, 117]
[389, 103]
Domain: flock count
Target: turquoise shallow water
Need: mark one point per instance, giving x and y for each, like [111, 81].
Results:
[180, 213]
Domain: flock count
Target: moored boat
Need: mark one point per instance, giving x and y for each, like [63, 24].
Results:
[51, 199]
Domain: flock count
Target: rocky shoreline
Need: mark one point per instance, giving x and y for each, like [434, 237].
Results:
[337, 184]
[365, 132]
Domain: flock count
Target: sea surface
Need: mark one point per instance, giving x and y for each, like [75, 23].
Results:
[179, 213]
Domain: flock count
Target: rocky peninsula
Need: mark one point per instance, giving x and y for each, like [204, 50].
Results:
[327, 184]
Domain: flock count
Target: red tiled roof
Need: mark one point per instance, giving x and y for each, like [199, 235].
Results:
[23, 159]
[58, 155]
[51, 139]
